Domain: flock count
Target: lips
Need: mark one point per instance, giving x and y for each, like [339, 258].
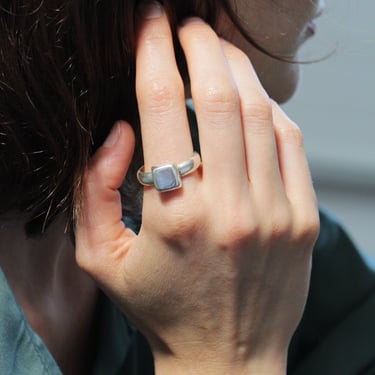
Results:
[311, 26]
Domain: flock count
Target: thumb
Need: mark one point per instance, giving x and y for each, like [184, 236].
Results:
[101, 237]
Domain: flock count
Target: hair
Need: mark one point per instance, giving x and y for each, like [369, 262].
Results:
[67, 73]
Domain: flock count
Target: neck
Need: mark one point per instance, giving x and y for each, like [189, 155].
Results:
[58, 298]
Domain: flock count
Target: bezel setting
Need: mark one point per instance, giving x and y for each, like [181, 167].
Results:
[166, 177]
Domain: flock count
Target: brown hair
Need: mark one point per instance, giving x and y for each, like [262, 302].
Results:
[66, 75]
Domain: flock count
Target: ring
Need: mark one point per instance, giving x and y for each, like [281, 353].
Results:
[167, 177]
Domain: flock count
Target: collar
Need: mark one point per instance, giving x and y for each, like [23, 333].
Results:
[23, 352]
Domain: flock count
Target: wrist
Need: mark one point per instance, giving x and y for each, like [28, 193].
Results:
[215, 365]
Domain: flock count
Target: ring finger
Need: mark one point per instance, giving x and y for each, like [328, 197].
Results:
[160, 90]
[258, 126]
[217, 106]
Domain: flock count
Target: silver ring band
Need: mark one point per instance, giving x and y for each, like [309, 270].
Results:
[167, 177]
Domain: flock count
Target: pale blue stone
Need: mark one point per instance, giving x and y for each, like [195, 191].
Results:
[166, 178]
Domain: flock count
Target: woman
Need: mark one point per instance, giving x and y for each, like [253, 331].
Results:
[217, 278]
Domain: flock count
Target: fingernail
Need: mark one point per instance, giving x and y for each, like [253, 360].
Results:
[150, 9]
[187, 21]
[113, 136]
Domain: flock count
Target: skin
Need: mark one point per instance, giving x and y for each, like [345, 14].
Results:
[268, 219]
[228, 289]
[281, 27]
[57, 297]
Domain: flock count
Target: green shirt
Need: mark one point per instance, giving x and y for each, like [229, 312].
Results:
[120, 348]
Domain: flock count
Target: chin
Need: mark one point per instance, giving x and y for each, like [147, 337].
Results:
[281, 81]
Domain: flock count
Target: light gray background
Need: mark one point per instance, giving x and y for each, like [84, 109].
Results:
[335, 108]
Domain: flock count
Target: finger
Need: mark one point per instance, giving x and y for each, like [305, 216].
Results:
[294, 168]
[160, 90]
[101, 237]
[257, 118]
[216, 102]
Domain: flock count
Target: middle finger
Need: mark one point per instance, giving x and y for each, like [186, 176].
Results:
[217, 105]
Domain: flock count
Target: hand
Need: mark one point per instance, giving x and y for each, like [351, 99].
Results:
[218, 276]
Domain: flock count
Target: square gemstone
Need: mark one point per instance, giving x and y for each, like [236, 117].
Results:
[166, 177]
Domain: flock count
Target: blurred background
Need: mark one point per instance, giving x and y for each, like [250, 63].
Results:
[335, 108]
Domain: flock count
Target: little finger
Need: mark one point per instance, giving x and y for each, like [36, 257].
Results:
[296, 174]
[257, 122]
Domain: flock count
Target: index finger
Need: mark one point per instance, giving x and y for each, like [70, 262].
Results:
[160, 90]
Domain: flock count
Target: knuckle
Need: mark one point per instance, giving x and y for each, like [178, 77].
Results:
[307, 230]
[257, 111]
[280, 224]
[214, 99]
[154, 38]
[179, 227]
[181, 223]
[291, 133]
[161, 94]
[237, 234]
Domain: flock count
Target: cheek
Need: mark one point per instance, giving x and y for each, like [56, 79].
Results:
[280, 79]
